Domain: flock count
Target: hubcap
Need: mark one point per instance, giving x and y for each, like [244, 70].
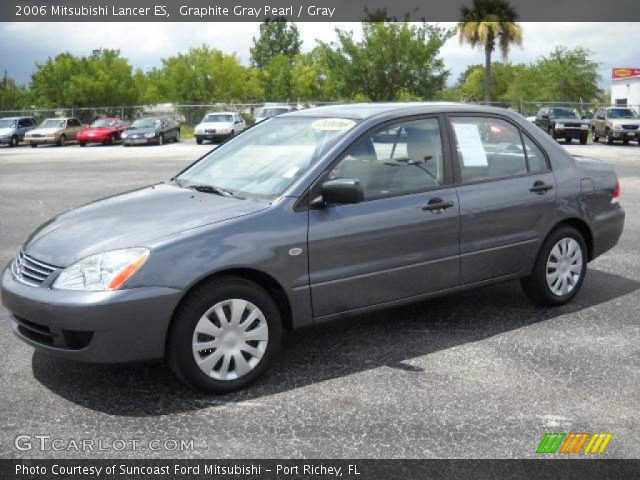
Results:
[230, 339]
[564, 267]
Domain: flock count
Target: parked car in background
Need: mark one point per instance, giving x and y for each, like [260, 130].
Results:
[151, 130]
[13, 129]
[306, 218]
[103, 130]
[616, 123]
[219, 126]
[54, 131]
[272, 111]
[563, 122]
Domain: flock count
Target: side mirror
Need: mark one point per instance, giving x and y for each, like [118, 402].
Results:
[342, 191]
[546, 117]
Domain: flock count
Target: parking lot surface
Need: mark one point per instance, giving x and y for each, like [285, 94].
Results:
[480, 374]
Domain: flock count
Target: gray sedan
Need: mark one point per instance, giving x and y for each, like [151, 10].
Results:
[306, 218]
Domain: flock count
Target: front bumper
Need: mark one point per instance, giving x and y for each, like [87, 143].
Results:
[140, 141]
[212, 136]
[625, 134]
[6, 140]
[42, 140]
[607, 228]
[93, 139]
[570, 132]
[99, 327]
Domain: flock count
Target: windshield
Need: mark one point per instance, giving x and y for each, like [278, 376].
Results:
[564, 113]
[217, 118]
[146, 123]
[53, 123]
[104, 122]
[268, 158]
[622, 113]
[271, 112]
[7, 124]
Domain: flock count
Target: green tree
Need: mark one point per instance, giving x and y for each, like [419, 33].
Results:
[277, 37]
[393, 60]
[12, 95]
[489, 24]
[503, 74]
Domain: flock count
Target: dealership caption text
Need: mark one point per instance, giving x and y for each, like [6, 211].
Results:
[176, 470]
[200, 13]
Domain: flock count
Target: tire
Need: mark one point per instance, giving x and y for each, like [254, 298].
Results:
[62, 140]
[177, 139]
[538, 287]
[161, 139]
[14, 141]
[608, 136]
[223, 293]
[33, 145]
[199, 141]
[82, 144]
[584, 139]
[625, 142]
[594, 136]
[567, 140]
[551, 133]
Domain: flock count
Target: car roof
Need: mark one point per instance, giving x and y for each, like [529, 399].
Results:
[361, 111]
[221, 113]
[14, 118]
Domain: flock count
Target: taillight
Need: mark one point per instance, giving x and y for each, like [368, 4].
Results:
[616, 193]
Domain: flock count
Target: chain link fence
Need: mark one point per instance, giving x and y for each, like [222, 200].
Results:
[190, 115]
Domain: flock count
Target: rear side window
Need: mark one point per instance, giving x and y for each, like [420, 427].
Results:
[488, 148]
[536, 161]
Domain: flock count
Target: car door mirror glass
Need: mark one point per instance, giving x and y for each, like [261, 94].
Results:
[342, 191]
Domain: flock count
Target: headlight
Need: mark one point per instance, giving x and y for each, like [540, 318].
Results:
[617, 126]
[149, 135]
[123, 135]
[559, 125]
[102, 271]
[198, 130]
[584, 126]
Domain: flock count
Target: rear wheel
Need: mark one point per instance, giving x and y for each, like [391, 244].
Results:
[177, 139]
[559, 269]
[14, 141]
[224, 335]
[33, 145]
[567, 140]
[82, 144]
[62, 140]
[594, 136]
[625, 141]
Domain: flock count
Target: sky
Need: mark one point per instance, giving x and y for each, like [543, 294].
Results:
[145, 44]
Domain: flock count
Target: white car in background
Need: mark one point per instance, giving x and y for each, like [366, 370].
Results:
[219, 126]
[270, 110]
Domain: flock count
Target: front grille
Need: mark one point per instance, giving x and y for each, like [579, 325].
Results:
[630, 127]
[210, 130]
[29, 270]
[37, 135]
[67, 339]
[572, 125]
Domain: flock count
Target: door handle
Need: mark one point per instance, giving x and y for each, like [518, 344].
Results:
[540, 187]
[437, 205]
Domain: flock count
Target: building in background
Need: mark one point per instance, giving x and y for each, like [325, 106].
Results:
[625, 87]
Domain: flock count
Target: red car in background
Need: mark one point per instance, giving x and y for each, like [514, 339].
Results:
[103, 130]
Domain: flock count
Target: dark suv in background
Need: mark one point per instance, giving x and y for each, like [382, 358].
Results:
[563, 122]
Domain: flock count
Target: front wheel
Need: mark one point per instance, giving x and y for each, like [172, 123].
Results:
[559, 269]
[224, 335]
[62, 140]
[594, 136]
[609, 137]
[583, 139]
[198, 140]
[33, 145]
[177, 139]
[14, 141]
[625, 141]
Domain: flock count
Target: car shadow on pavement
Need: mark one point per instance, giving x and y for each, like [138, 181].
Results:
[387, 338]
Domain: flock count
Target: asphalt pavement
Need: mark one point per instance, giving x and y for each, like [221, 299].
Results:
[479, 374]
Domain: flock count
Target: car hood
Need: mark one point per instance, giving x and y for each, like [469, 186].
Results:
[6, 131]
[215, 125]
[571, 120]
[45, 131]
[131, 219]
[98, 130]
[625, 121]
[140, 131]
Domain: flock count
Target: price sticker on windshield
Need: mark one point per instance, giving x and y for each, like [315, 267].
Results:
[333, 124]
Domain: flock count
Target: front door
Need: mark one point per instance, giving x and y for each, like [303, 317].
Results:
[507, 196]
[402, 240]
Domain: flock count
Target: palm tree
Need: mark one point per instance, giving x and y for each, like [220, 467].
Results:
[489, 23]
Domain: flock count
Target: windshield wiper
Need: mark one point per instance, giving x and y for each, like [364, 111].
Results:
[211, 189]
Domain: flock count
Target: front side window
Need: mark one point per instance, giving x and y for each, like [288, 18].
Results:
[400, 159]
[488, 148]
[268, 158]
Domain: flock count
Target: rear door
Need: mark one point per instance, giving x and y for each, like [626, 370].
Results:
[507, 195]
[395, 244]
